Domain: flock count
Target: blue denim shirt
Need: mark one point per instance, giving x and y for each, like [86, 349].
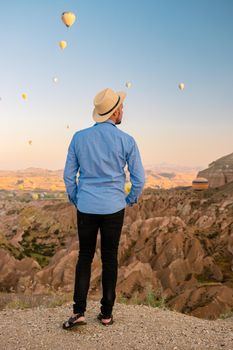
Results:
[100, 153]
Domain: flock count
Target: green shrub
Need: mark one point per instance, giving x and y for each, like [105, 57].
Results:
[154, 299]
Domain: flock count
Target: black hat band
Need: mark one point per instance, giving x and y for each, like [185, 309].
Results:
[111, 108]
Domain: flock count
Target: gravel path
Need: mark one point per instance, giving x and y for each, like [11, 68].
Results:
[135, 327]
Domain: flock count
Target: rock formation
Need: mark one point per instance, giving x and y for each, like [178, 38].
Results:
[176, 247]
[219, 172]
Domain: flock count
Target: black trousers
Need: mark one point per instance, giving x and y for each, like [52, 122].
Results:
[110, 226]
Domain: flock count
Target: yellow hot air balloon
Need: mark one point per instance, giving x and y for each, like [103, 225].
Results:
[68, 18]
[181, 86]
[21, 186]
[200, 183]
[128, 187]
[24, 96]
[62, 44]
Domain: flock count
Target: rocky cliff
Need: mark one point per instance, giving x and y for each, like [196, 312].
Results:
[176, 247]
[219, 172]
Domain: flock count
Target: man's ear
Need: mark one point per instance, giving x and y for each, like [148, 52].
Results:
[115, 113]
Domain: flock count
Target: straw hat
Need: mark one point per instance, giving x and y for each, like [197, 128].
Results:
[106, 102]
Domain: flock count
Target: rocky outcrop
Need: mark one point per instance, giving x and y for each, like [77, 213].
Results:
[219, 172]
[176, 246]
[178, 262]
[14, 274]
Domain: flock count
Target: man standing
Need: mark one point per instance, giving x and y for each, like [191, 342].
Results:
[100, 154]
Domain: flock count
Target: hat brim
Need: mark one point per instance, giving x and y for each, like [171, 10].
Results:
[102, 118]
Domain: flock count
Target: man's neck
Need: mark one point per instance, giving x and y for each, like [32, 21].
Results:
[112, 120]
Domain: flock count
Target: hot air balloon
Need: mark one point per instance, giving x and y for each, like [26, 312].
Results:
[68, 18]
[128, 187]
[24, 96]
[181, 86]
[55, 80]
[21, 186]
[128, 84]
[67, 126]
[30, 142]
[62, 44]
[200, 183]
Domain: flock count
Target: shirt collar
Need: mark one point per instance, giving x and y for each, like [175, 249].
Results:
[106, 121]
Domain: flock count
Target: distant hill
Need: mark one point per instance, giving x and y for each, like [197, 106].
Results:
[219, 172]
[169, 175]
[157, 176]
[31, 179]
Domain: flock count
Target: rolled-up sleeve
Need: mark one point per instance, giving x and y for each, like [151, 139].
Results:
[137, 174]
[70, 172]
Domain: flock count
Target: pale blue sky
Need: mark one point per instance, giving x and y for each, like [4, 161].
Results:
[154, 44]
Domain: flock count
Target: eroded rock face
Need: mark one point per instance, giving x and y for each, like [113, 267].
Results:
[219, 172]
[176, 245]
[208, 301]
[14, 273]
